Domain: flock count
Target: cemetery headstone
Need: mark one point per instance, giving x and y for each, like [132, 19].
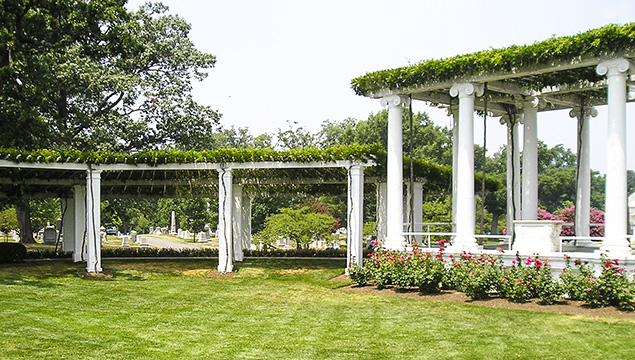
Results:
[49, 237]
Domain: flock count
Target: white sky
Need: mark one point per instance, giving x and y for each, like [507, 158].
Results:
[293, 60]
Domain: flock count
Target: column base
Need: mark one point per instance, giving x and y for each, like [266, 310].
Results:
[464, 243]
[395, 243]
[615, 251]
[225, 269]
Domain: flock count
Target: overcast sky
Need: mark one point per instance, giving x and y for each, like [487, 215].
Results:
[293, 60]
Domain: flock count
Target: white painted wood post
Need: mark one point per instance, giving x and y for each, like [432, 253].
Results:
[245, 228]
[225, 248]
[529, 203]
[466, 207]
[68, 224]
[583, 194]
[394, 216]
[237, 195]
[355, 221]
[616, 216]
[93, 213]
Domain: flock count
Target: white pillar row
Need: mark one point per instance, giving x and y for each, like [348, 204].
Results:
[529, 203]
[225, 206]
[355, 221]
[616, 215]
[454, 112]
[246, 222]
[394, 218]
[465, 205]
[513, 172]
[382, 210]
[93, 213]
[583, 175]
[237, 203]
[416, 211]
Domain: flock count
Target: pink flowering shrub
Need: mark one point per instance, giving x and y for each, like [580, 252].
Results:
[482, 276]
[568, 216]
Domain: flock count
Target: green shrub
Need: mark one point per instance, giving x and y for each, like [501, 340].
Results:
[12, 252]
[612, 287]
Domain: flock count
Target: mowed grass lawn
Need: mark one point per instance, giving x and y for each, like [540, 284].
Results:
[272, 309]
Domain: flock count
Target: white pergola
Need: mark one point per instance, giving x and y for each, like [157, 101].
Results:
[517, 93]
[83, 185]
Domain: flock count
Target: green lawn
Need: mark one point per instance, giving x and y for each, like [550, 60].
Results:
[273, 309]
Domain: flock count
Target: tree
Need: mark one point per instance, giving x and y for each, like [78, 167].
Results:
[8, 221]
[302, 226]
[91, 75]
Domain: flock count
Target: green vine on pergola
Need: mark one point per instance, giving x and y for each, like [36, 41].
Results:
[258, 180]
[606, 42]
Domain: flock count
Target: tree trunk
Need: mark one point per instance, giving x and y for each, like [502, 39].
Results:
[494, 229]
[23, 213]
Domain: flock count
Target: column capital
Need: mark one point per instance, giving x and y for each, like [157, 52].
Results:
[509, 120]
[530, 103]
[585, 111]
[466, 89]
[395, 100]
[613, 67]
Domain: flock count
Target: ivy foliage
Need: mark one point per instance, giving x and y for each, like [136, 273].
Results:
[605, 42]
[153, 158]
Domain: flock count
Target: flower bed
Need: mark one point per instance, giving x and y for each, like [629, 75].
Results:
[483, 276]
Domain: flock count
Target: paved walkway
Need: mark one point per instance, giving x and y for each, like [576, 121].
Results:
[162, 243]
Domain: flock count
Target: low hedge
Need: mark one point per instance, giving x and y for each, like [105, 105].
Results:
[12, 252]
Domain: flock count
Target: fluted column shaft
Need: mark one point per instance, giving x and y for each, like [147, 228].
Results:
[530, 163]
[394, 217]
[465, 209]
[616, 219]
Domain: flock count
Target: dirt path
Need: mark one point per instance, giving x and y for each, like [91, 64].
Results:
[167, 244]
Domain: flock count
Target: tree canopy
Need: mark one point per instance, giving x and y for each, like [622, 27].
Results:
[91, 75]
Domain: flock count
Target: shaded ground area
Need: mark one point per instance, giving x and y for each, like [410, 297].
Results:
[562, 307]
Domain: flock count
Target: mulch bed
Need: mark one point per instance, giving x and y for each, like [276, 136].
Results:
[104, 275]
[561, 307]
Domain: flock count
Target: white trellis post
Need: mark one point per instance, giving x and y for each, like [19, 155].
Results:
[237, 195]
[245, 227]
[355, 221]
[465, 208]
[93, 213]
[225, 248]
[616, 217]
[394, 216]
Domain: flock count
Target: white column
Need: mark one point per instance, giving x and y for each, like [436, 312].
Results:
[513, 172]
[246, 222]
[465, 205]
[355, 221]
[382, 210]
[583, 194]
[225, 248]
[454, 111]
[530, 162]
[93, 213]
[418, 209]
[616, 187]
[394, 217]
[237, 203]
